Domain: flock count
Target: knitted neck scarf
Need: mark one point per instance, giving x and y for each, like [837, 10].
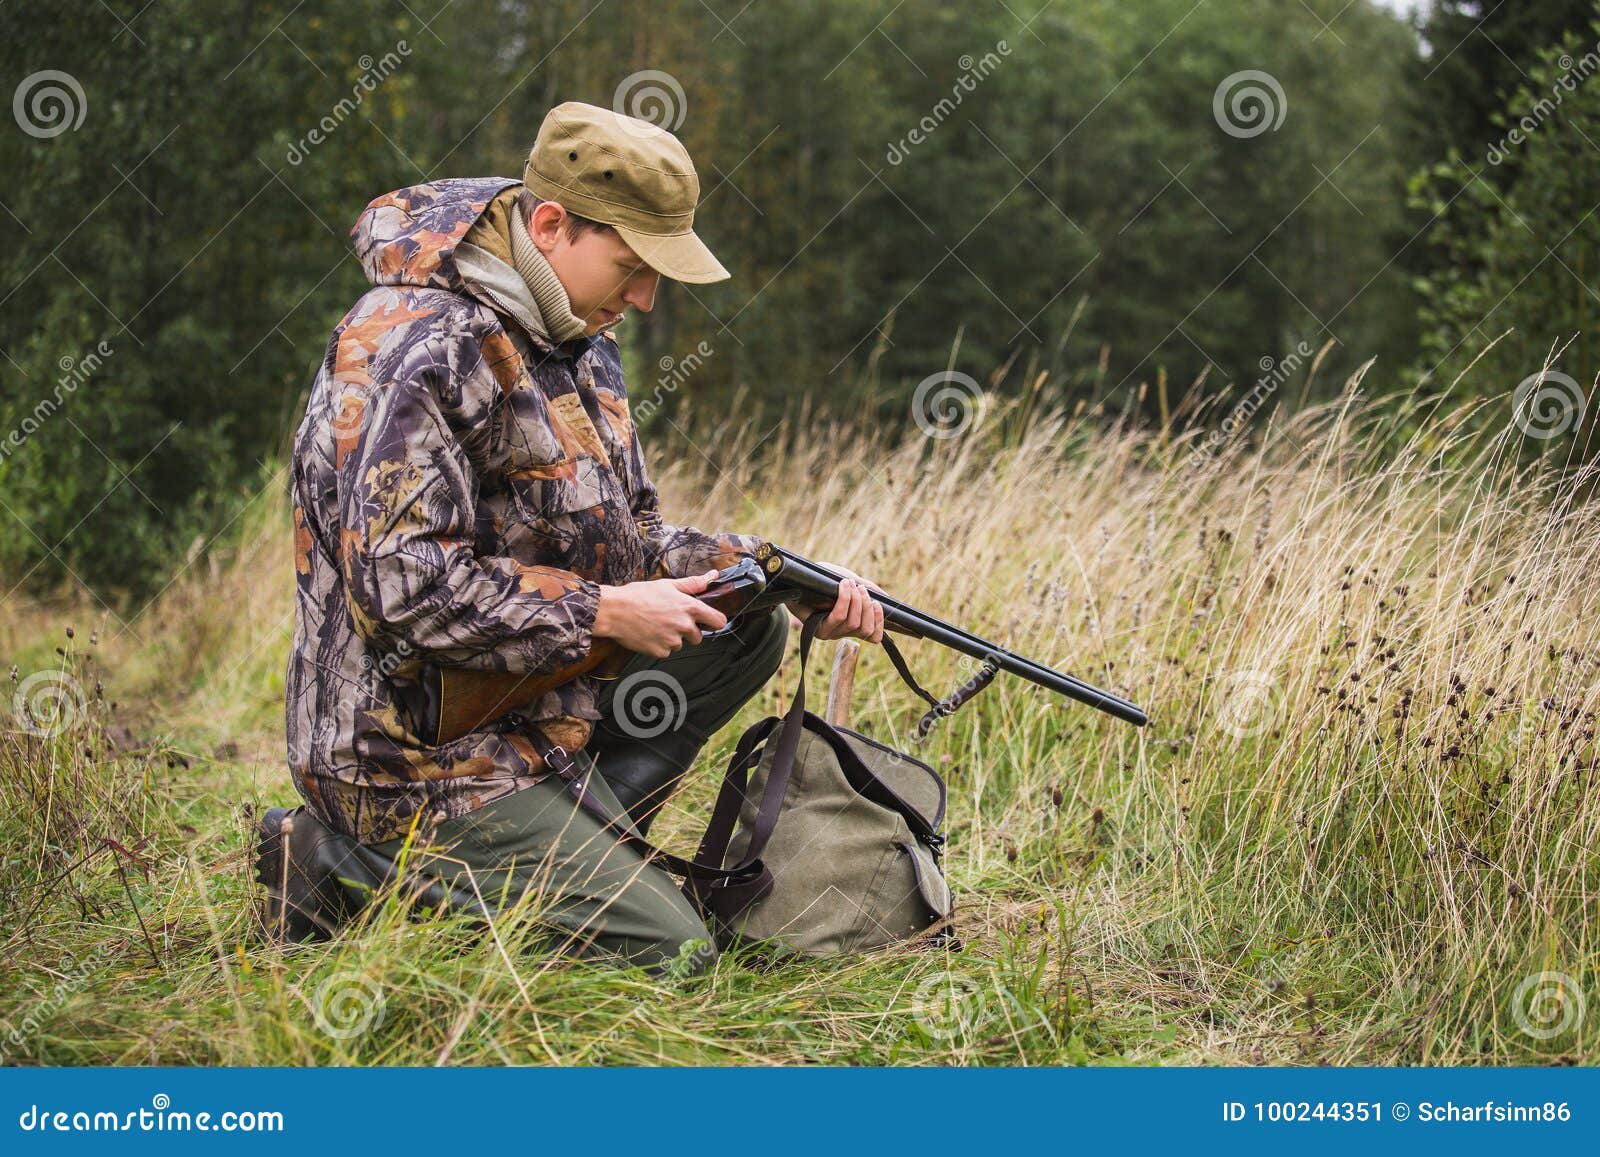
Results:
[499, 257]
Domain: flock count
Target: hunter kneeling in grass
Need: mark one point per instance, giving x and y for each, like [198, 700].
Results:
[470, 495]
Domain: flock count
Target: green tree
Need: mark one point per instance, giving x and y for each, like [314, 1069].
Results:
[1516, 253]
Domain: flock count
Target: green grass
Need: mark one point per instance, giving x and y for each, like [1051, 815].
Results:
[1360, 826]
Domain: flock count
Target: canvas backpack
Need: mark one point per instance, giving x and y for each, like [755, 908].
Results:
[822, 840]
[832, 838]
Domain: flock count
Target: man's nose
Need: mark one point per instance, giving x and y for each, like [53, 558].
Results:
[641, 292]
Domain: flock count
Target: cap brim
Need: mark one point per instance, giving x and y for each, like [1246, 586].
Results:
[681, 256]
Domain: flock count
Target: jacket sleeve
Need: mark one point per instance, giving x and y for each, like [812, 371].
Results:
[412, 581]
[679, 551]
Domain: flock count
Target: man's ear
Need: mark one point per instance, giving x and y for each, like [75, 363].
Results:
[546, 225]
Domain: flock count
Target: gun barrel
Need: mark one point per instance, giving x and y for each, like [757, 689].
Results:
[803, 573]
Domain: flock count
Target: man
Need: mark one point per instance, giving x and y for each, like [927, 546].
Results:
[470, 492]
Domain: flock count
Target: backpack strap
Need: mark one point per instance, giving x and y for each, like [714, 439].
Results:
[751, 877]
[730, 800]
[710, 887]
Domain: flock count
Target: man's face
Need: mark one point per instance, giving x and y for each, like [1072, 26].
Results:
[602, 275]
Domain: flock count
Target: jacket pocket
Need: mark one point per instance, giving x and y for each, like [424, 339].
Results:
[545, 495]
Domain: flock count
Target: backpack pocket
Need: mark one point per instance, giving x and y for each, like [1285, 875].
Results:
[907, 895]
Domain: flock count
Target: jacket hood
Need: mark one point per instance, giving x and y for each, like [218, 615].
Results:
[409, 236]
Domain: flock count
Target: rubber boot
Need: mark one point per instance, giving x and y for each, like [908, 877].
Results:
[643, 775]
[304, 899]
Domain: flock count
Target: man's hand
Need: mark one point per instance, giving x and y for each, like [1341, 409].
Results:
[856, 614]
[658, 616]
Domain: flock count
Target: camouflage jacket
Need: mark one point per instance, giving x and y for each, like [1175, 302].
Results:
[461, 489]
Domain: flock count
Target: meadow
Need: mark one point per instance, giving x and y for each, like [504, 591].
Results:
[1359, 829]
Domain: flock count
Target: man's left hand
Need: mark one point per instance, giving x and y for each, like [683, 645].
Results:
[855, 614]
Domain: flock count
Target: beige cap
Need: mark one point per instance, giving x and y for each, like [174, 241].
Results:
[629, 174]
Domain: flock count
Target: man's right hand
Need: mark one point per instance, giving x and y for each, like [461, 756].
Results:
[658, 616]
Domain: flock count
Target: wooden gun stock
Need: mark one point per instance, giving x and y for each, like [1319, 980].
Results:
[470, 699]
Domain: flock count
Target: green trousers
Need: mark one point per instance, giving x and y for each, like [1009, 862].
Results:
[594, 895]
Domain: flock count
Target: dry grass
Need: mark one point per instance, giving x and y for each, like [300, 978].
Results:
[1360, 819]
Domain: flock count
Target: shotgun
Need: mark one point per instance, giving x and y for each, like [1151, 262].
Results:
[469, 699]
